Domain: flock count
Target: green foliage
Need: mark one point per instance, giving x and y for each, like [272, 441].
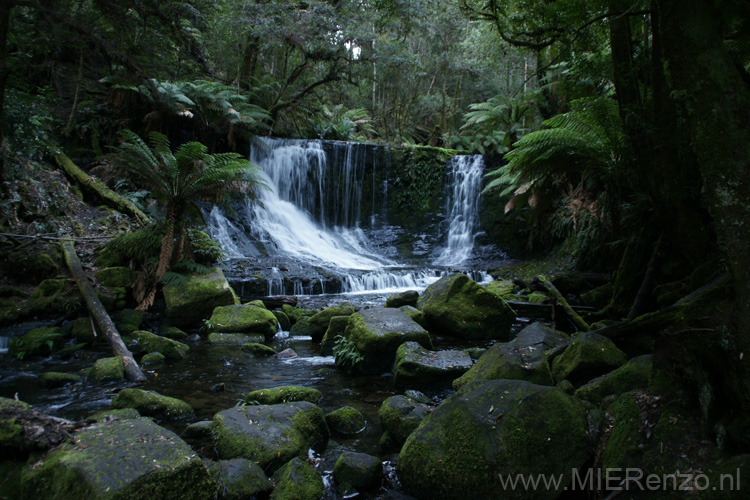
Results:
[346, 353]
[343, 125]
[27, 122]
[134, 246]
[205, 250]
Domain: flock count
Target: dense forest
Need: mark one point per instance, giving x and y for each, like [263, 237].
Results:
[618, 129]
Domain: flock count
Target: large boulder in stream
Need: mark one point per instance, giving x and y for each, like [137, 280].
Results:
[151, 404]
[378, 332]
[133, 459]
[297, 480]
[457, 306]
[245, 318]
[269, 435]
[150, 342]
[416, 366]
[524, 358]
[399, 416]
[489, 431]
[190, 302]
[318, 323]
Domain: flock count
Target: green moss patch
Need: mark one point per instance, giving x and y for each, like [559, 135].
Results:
[284, 394]
[151, 404]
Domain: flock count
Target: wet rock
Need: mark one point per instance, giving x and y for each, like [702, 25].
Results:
[345, 421]
[38, 342]
[295, 313]
[524, 358]
[151, 404]
[283, 320]
[257, 349]
[414, 314]
[378, 332]
[588, 355]
[239, 479]
[107, 369]
[121, 414]
[51, 380]
[233, 338]
[195, 299]
[200, 429]
[415, 366]
[407, 298]
[257, 303]
[301, 328]
[318, 323]
[24, 431]
[357, 471]
[287, 353]
[297, 480]
[401, 415]
[491, 430]
[269, 435]
[336, 326]
[172, 332]
[284, 394]
[457, 306]
[244, 319]
[632, 375]
[121, 459]
[150, 342]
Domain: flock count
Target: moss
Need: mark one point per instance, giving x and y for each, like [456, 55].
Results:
[507, 361]
[83, 331]
[358, 471]
[152, 358]
[632, 375]
[318, 323]
[171, 349]
[400, 416]
[218, 338]
[345, 421]
[54, 296]
[52, 380]
[66, 352]
[538, 298]
[172, 332]
[598, 297]
[407, 298]
[295, 314]
[297, 480]
[258, 349]
[622, 449]
[418, 367]
[110, 277]
[151, 404]
[301, 328]
[284, 394]
[195, 299]
[39, 341]
[336, 326]
[127, 321]
[244, 319]
[239, 479]
[10, 484]
[283, 320]
[587, 356]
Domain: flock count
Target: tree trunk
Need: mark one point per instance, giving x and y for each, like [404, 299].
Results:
[101, 318]
[5, 8]
[165, 258]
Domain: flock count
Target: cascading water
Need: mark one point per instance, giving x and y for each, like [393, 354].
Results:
[466, 176]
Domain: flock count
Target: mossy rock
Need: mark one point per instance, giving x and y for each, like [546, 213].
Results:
[538, 298]
[37, 342]
[257, 303]
[415, 314]
[501, 288]
[632, 375]
[153, 358]
[623, 448]
[491, 430]
[32, 268]
[83, 331]
[598, 297]
[258, 349]
[171, 349]
[297, 480]
[196, 298]
[107, 370]
[269, 435]
[127, 321]
[172, 332]
[283, 320]
[219, 338]
[202, 429]
[51, 380]
[407, 298]
[415, 366]
[54, 296]
[401, 415]
[357, 471]
[244, 319]
[110, 277]
[11, 310]
[124, 459]
[12, 432]
[318, 323]
[588, 355]
[121, 414]
[295, 313]
[457, 306]
[68, 351]
[336, 326]
[726, 478]
[284, 394]
[239, 479]
[151, 404]
[301, 328]
[346, 421]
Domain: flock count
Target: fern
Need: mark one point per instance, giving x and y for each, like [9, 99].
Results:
[346, 353]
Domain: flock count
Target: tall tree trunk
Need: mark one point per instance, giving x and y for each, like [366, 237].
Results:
[715, 102]
[5, 8]
[165, 257]
[249, 62]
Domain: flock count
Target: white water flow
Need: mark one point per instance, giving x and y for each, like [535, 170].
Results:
[466, 176]
[295, 171]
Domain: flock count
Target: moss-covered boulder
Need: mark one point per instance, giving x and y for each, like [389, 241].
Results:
[195, 299]
[284, 323]
[152, 358]
[202, 429]
[127, 321]
[358, 472]
[489, 431]
[37, 342]
[623, 447]
[301, 328]
[415, 366]
[32, 267]
[107, 370]
[54, 296]
[318, 323]
[378, 332]
[401, 415]
[503, 289]
[269, 435]
[133, 459]
[414, 314]
[297, 480]
[257, 349]
[51, 380]
[296, 313]
[83, 330]
[632, 375]
[588, 355]
[238, 479]
[115, 277]
[219, 338]
[172, 332]
[336, 326]
[459, 307]
[244, 319]
[407, 298]
[152, 404]
[523, 358]
[150, 342]
[284, 394]
[346, 421]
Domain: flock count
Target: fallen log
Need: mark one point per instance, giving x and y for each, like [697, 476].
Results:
[101, 319]
[532, 310]
[572, 314]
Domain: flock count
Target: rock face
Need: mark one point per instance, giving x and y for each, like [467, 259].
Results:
[194, 300]
[458, 307]
[244, 318]
[284, 394]
[269, 435]
[134, 459]
[151, 404]
[415, 366]
[297, 480]
[521, 359]
[492, 430]
[171, 349]
[588, 355]
[318, 323]
[377, 333]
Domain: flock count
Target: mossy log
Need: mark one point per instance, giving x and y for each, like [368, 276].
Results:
[99, 189]
[101, 318]
[574, 316]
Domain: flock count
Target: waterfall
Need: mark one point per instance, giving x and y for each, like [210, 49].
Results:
[466, 179]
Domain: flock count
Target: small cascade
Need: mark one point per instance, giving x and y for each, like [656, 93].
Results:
[466, 178]
[4, 343]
